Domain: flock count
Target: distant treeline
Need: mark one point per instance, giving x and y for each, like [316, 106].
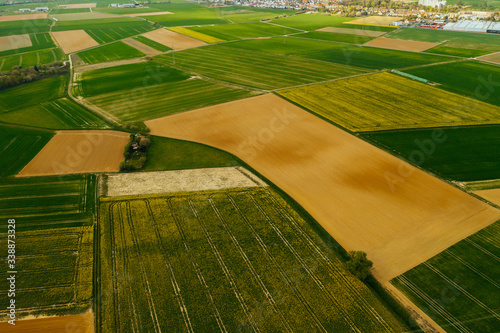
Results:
[20, 75]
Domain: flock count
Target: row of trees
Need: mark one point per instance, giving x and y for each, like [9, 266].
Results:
[20, 75]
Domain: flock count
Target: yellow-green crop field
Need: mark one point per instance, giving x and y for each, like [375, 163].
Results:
[225, 261]
[196, 34]
[386, 101]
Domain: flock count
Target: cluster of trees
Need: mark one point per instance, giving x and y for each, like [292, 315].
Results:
[136, 150]
[20, 75]
[359, 265]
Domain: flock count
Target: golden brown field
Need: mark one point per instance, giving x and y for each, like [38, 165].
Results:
[399, 44]
[73, 40]
[170, 38]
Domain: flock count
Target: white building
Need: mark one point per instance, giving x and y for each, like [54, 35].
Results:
[433, 3]
[24, 10]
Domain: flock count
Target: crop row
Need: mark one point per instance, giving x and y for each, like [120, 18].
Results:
[107, 35]
[385, 101]
[457, 287]
[110, 52]
[225, 261]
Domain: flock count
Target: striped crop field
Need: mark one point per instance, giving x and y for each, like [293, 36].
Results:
[18, 146]
[233, 260]
[73, 115]
[110, 52]
[386, 102]
[458, 288]
[48, 202]
[255, 68]
[196, 34]
[54, 270]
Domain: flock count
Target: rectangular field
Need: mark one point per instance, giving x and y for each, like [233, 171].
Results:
[494, 58]
[387, 101]
[195, 34]
[73, 152]
[464, 154]
[375, 20]
[24, 27]
[83, 323]
[30, 59]
[360, 32]
[400, 44]
[458, 287]
[239, 31]
[73, 40]
[48, 202]
[18, 146]
[225, 260]
[173, 39]
[365, 198]
[336, 37]
[145, 49]
[110, 52]
[11, 18]
[14, 42]
[151, 43]
[492, 195]
[265, 71]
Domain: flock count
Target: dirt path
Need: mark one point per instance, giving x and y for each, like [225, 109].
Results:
[364, 197]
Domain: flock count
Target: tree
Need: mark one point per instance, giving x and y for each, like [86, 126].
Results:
[359, 265]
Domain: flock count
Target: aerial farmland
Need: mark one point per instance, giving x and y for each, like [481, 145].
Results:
[215, 166]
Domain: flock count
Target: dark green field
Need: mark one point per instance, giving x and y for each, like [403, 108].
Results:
[239, 31]
[458, 287]
[18, 146]
[186, 13]
[30, 59]
[110, 52]
[24, 27]
[152, 43]
[466, 153]
[472, 79]
[172, 154]
[234, 260]
[335, 37]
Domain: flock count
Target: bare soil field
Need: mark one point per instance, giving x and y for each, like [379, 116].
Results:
[490, 195]
[141, 47]
[399, 44]
[79, 5]
[15, 42]
[83, 323]
[359, 32]
[81, 69]
[37, 16]
[494, 58]
[150, 14]
[73, 40]
[124, 184]
[364, 197]
[83, 16]
[169, 38]
[375, 20]
[70, 152]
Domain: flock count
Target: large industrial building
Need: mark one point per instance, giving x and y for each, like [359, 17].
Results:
[474, 26]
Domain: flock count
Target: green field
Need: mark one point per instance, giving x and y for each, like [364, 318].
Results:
[185, 13]
[464, 154]
[57, 11]
[18, 147]
[457, 51]
[107, 30]
[240, 31]
[152, 43]
[335, 37]
[241, 14]
[387, 101]
[172, 154]
[24, 27]
[48, 202]
[458, 287]
[32, 93]
[149, 90]
[39, 42]
[454, 39]
[29, 59]
[235, 260]
[472, 79]
[110, 52]
[256, 69]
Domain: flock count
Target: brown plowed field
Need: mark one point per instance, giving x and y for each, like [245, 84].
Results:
[83, 323]
[359, 32]
[148, 50]
[490, 195]
[71, 152]
[364, 197]
[494, 58]
[169, 38]
[73, 40]
[23, 17]
[400, 44]
[79, 5]
[15, 42]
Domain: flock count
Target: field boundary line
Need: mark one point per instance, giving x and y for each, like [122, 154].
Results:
[287, 280]
[482, 249]
[447, 251]
[325, 260]
[196, 267]
[250, 265]
[227, 273]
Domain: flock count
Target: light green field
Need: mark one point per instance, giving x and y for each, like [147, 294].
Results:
[374, 103]
[110, 52]
[240, 14]
[151, 43]
[256, 69]
[458, 287]
[239, 31]
[241, 260]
